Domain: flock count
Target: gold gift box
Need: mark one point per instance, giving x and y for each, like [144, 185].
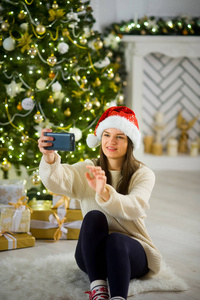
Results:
[15, 241]
[14, 219]
[72, 215]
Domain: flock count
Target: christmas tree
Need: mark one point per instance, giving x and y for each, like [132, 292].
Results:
[55, 72]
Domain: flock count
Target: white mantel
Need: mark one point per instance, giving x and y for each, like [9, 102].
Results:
[136, 48]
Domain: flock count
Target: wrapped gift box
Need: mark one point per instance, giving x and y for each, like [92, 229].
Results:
[11, 190]
[10, 241]
[15, 219]
[46, 223]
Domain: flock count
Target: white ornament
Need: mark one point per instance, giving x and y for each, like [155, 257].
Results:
[102, 63]
[24, 27]
[58, 96]
[41, 84]
[9, 44]
[28, 103]
[63, 48]
[14, 88]
[73, 16]
[91, 45]
[112, 41]
[56, 87]
[87, 32]
[77, 132]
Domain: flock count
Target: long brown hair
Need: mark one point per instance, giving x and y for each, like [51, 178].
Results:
[130, 165]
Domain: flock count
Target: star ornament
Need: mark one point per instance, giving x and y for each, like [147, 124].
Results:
[25, 41]
[14, 88]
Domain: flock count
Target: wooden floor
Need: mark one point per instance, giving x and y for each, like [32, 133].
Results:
[174, 225]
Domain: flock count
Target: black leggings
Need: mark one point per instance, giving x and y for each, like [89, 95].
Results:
[115, 256]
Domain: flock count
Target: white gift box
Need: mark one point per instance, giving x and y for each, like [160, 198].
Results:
[11, 190]
[15, 219]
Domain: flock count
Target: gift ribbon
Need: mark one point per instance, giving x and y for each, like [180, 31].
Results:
[20, 206]
[58, 233]
[21, 202]
[39, 224]
[12, 241]
[63, 200]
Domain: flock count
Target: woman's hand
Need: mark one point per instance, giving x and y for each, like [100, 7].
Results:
[98, 182]
[49, 155]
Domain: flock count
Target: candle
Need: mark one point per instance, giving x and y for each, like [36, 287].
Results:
[159, 117]
[172, 147]
[194, 149]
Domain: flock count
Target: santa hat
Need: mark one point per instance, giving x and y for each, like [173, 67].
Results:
[121, 118]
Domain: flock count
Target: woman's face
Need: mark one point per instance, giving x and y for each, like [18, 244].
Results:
[114, 143]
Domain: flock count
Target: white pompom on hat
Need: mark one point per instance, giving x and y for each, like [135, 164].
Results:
[121, 118]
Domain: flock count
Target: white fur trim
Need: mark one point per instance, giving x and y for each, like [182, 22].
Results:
[120, 123]
[92, 141]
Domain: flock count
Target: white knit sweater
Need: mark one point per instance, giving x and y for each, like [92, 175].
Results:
[125, 213]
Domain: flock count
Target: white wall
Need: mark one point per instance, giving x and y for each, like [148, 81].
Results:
[109, 11]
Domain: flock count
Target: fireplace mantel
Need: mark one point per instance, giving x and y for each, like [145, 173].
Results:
[136, 48]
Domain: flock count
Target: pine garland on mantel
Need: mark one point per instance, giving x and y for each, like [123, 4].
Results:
[180, 25]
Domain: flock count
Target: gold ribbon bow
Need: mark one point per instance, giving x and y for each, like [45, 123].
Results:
[58, 233]
[21, 201]
[63, 200]
[3, 232]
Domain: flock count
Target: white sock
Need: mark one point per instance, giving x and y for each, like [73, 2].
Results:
[99, 290]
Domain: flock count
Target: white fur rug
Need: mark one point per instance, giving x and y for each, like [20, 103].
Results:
[58, 277]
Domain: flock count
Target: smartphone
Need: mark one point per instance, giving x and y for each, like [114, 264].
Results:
[63, 141]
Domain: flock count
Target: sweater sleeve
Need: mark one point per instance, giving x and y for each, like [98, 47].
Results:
[133, 205]
[64, 179]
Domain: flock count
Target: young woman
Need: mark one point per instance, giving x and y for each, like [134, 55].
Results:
[114, 191]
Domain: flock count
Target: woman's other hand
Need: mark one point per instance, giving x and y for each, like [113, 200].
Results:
[97, 181]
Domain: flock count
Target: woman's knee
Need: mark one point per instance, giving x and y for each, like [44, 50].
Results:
[95, 219]
[115, 243]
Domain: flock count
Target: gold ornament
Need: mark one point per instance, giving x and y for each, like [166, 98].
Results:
[5, 26]
[110, 75]
[35, 179]
[55, 5]
[185, 32]
[97, 103]
[88, 105]
[120, 98]
[98, 44]
[117, 78]
[83, 40]
[118, 59]
[52, 60]
[52, 75]
[38, 118]
[21, 15]
[40, 29]
[67, 112]
[32, 51]
[65, 32]
[97, 82]
[124, 83]
[6, 165]
[29, 93]
[50, 99]
[19, 106]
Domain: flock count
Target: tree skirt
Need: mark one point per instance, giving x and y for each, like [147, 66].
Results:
[58, 277]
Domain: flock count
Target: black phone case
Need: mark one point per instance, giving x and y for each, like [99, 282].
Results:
[63, 141]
